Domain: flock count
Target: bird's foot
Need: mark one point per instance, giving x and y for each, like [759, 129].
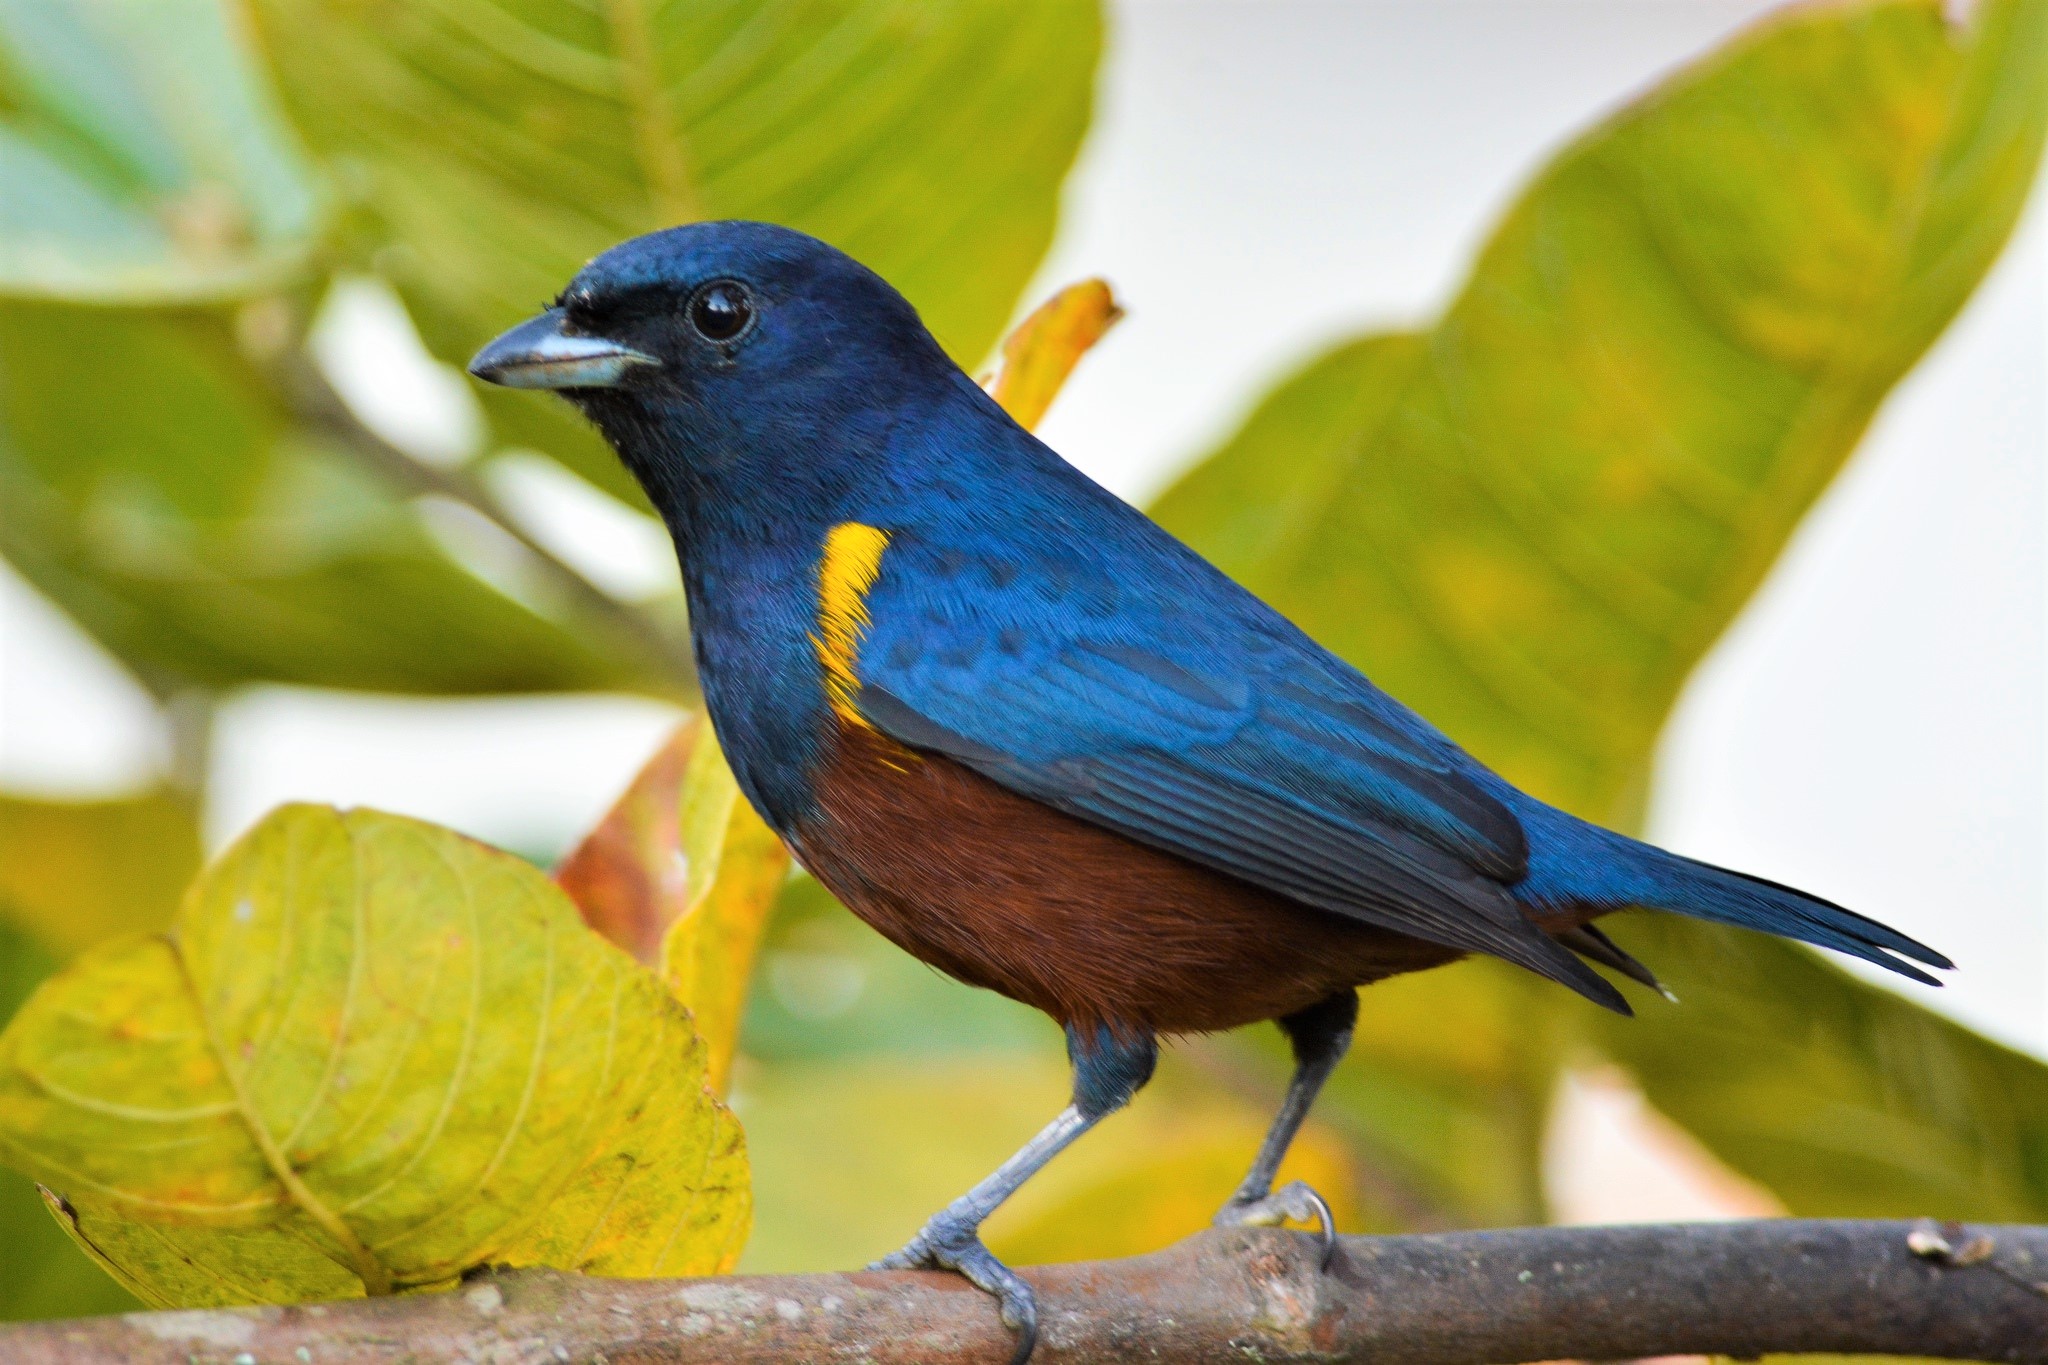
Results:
[947, 1244]
[1293, 1202]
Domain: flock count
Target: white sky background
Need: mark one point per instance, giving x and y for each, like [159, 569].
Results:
[1265, 177]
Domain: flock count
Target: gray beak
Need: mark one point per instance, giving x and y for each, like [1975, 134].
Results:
[538, 354]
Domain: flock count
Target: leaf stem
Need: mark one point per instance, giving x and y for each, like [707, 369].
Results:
[317, 403]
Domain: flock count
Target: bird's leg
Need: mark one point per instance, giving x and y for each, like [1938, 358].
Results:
[1320, 1035]
[1108, 1070]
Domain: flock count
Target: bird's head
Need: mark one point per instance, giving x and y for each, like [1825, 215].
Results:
[735, 346]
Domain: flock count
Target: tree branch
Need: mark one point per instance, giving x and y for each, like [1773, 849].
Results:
[1739, 1289]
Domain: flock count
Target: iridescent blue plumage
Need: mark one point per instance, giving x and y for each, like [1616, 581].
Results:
[1033, 737]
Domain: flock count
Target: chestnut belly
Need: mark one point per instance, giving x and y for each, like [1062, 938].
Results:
[1082, 923]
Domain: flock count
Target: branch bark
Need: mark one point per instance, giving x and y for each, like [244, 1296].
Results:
[1740, 1289]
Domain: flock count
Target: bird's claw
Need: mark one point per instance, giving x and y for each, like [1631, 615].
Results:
[1292, 1202]
[944, 1245]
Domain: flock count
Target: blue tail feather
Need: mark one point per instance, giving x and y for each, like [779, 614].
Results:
[1576, 864]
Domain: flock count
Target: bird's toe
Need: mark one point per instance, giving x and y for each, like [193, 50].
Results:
[913, 1255]
[1019, 1303]
[944, 1245]
[1293, 1202]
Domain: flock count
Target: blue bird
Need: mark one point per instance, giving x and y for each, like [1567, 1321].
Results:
[1034, 739]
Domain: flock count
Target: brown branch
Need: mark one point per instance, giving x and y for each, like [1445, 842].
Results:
[1739, 1289]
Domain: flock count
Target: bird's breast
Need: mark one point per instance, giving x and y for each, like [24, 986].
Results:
[1003, 892]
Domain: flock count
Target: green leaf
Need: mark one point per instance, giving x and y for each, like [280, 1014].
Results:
[144, 161]
[499, 144]
[1532, 520]
[151, 485]
[1842, 1099]
[75, 873]
[683, 874]
[369, 1055]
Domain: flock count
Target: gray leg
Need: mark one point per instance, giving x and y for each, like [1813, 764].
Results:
[1108, 1070]
[1320, 1035]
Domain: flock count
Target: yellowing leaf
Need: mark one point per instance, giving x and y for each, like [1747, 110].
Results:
[1041, 351]
[74, 873]
[369, 1054]
[628, 876]
[682, 874]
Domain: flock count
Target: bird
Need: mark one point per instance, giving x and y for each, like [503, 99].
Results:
[1038, 742]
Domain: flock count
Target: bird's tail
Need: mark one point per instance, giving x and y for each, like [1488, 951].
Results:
[1621, 872]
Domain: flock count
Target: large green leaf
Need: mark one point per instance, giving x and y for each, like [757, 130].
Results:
[1841, 1099]
[1531, 521]
[1535, 518]
[368, 1055]
[140, 160]
[498, 144]
[153, 487]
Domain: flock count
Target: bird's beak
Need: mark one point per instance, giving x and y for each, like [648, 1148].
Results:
[538, 354]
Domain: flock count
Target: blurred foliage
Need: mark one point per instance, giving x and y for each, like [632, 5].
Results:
[74, 873]
[205, 506]
[1529, 520]
[368, 1055]
[493, 146]
[1535, 517]
[1842, 1099]
[142, 158]
[1042, 350]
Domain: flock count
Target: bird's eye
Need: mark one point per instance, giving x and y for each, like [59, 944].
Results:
[721, 310]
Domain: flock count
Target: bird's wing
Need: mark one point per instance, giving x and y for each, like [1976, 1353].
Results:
[1239, 746]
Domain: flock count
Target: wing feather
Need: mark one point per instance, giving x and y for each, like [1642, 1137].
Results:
[1216, 732]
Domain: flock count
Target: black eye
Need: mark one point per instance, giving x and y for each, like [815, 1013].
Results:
[721, 310]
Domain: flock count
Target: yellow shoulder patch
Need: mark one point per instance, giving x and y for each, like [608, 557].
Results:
[846, 570]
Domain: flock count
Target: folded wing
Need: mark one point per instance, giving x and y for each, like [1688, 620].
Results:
[1256, 754]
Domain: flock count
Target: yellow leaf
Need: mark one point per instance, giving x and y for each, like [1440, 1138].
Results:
[1041, 351]
[682, 874]
[74, 873]
[368, 1055]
